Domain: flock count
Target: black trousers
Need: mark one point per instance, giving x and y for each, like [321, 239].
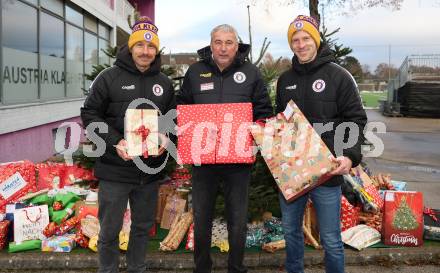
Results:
[206, 180]
[113, 198]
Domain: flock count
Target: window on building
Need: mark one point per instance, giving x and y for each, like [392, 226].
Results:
[74, 15]
[19, 51]
[103, 45]
[51, 57]
[55, 6]
[90, 23]
[90, 54]
[104, 31]
[74, 61]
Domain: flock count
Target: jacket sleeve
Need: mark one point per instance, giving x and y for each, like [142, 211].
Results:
[278, 104]
[262, 106]
[351, 110]
[184, 96]
[94, 109]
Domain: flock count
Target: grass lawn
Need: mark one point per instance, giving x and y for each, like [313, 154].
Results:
[371, 99]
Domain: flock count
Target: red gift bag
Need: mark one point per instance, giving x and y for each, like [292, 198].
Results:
[214, 133]
[16, 180]
[403, 218]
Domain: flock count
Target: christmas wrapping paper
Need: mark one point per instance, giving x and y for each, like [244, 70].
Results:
[64, 243]
[403, 218]
[23, 246]
[214, 133]
[16, 180]
[49, 175]
[4, 225]
[374, 193]
[349, 214]
[295, 154]
[431, 219]
[141, 132]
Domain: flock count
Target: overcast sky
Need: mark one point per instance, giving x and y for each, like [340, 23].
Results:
[184, 26]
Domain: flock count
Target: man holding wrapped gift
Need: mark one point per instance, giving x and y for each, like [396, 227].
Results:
[223, 76]
[327, 95]
[136, 74]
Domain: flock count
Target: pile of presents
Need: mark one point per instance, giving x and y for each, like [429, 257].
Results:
[45, 209]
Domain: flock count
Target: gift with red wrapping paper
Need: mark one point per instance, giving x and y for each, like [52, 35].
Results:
[76, 174]
[16, 180]
[214, 133]
[49, 175]
[403, 218]
[4, 225]
[349, 214]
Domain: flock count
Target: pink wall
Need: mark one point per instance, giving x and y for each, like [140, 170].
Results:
[35, 144]
[145, 7]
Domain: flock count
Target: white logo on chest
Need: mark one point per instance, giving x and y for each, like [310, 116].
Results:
[128, 87]
[239, 77]
[318, 85]
[157, 90]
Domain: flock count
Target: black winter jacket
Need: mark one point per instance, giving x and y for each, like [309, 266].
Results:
[240, 82]
[325, 92]
[110, 94]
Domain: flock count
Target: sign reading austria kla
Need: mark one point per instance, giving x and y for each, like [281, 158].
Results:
[29, 75]
[20, 69]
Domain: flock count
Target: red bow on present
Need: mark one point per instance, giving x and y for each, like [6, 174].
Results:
[431, 213]
[143, 132]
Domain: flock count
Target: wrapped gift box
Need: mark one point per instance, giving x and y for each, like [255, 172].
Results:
[214, 133]
[403, 218]
[64, 243]
[431, 218]
[141, 132]
[349, 214]
[296, 155]
[16, 180]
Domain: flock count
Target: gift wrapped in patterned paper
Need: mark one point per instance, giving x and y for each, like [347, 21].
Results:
[296, 155]
[63, 243]
[255, 236]
[16, 180]
[141, 132]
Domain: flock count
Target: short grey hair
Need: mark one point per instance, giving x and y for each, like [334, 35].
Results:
[224, 28]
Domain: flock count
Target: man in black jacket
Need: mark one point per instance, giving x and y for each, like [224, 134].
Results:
[328, 96]
[136, 74]
[223, 76]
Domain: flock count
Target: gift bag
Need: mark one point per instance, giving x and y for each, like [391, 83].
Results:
[16, 180]
[165, 190]
[403, 218]
[141, 132]
[296, 155]
[173, 208]
[30, 222]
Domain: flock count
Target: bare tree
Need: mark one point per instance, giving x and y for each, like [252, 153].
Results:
[345, 6]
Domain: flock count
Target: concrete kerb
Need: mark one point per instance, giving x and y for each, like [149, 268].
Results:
[177, 262]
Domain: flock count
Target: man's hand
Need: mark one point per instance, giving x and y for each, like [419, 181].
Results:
[344, 165]
[121, 149]
[163, 144]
